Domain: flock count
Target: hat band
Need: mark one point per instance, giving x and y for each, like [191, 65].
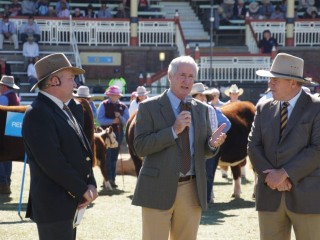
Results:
[287, 75]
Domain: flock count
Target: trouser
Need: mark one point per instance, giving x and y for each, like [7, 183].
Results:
[13, 37]
[211, 167]
[180, 222]
[62, 230]
[5, 172]
[112, 157]
[277, 225]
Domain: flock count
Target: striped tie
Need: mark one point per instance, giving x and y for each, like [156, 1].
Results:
[283, 117]
[184, 136]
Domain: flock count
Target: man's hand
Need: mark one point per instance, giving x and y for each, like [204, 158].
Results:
[275, 177]
[183, 120]
[90, 195]
[285, 186]
[218, 137]
[117, 114]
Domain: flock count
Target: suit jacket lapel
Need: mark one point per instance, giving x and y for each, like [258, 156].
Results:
[296, 113]
[195, 113]
[166, 109]
[61, 114]
[275, 118]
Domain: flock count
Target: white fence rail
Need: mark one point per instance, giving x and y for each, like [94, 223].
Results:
[233, 68]
[156, 33]
[307, 33]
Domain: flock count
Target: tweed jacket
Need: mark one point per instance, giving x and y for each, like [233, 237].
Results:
[60, 164]
[298, 152]
[153, 139]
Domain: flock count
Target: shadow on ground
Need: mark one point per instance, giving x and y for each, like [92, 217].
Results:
[215, 214]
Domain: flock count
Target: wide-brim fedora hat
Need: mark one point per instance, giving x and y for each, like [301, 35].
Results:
[83, 91]
[52, 64]
[233, 89]
[286, 66]
[212, 91]
[142, 91]
[197, 88]
[8, 81]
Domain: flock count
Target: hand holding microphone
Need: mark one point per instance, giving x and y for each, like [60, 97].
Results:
[183, 120]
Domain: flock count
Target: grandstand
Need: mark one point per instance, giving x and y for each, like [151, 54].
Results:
[176, 28]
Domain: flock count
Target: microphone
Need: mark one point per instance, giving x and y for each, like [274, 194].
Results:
[188, 102]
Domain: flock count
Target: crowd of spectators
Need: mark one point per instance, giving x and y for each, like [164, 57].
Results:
[62, 9]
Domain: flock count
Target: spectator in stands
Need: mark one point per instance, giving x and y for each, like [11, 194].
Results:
[6, 10]
[239, 10]
[30, 50]
[42, 7]
[90, 12]
[311, 12]
[59, 3]
[254, 10]
[52, 12]
[143, 5]
[64, 11]
[304, 4]
[28, 8]
[8, 30]
[266, 9]
[77, 13]
[30, 28]
[15, 8]
[226, 10]
[31, 72]
[133, 96]
[122, 12]
[5, 68]
[104, 11]
[8, 97]
[267, 42]
[277, 14]
[284, 6]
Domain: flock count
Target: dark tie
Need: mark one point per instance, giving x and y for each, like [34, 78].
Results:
[75, 123]
[283, 117]
[184, 136]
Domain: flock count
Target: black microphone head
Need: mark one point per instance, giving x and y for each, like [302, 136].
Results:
[188, 102]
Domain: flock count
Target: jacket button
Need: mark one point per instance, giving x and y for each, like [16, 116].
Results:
[88, 158]
[88, 176]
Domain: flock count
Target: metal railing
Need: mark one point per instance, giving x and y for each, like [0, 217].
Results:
[307, 33]
[233, 68]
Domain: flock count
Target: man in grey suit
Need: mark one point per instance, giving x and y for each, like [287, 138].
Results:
[172, 197]
[284, 148]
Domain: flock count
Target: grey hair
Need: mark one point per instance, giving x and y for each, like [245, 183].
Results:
[173, 67]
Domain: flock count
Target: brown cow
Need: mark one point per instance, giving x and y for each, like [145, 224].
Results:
[104, 139]
[234, 149]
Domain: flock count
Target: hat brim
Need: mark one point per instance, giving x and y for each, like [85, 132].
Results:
[143, 94]
[75, 70]
[227, 92]
[14, 86]
[209, 92]
[197, 92]
[84, 96]
[267, 73]
[114, 94]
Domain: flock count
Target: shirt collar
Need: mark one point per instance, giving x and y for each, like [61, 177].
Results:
[175, 101]
[294, 100]
[53, 98]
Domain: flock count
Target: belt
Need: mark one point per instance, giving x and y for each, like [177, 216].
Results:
[186, 178]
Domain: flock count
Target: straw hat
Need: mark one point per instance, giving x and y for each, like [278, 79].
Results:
[142, 91]
[8, 81]
[52, 64]
[285, 66]
[197, 88]
[233, 89]
[113, 90]
[83, 91]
